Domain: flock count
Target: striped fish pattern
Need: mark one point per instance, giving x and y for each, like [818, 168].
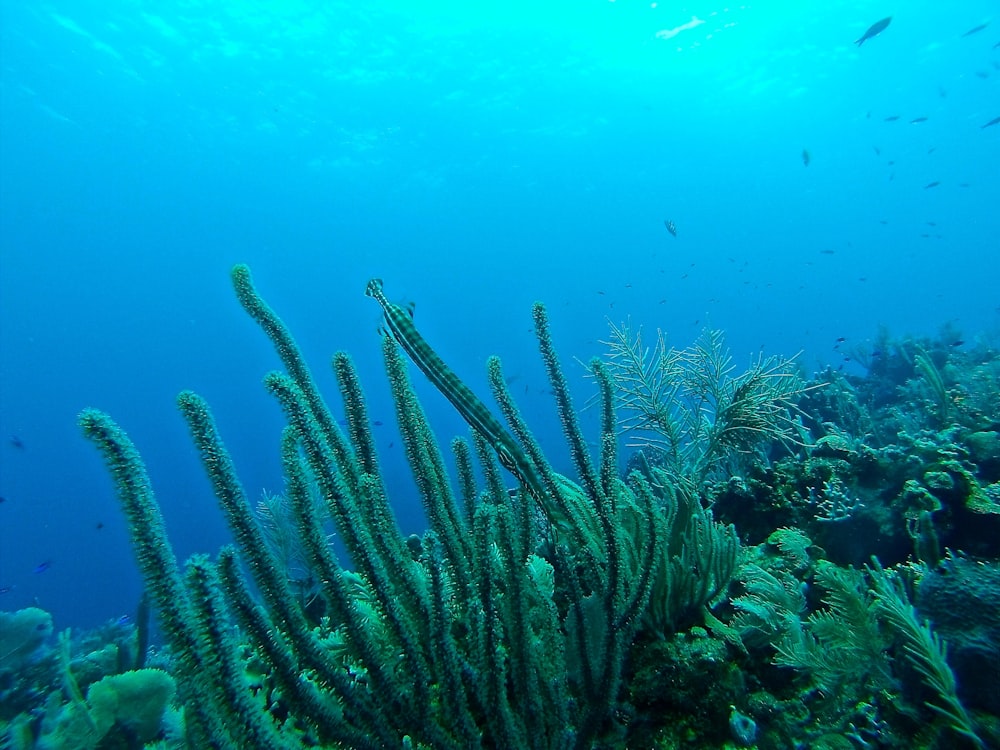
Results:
[399, 322]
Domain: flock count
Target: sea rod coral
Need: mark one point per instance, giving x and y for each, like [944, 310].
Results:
[506, 625]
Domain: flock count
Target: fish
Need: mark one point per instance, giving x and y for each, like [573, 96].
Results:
[994, 121]
[976, 29]
[671, 33]
[399, 324]
[16, 442]
[806, 158]
[671, 227]
[42, 566]
[915, 120]
[931, 184]
[891, 118]
[874, 30]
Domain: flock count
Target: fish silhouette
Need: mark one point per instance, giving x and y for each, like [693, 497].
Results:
[976, 29]
[874, 30]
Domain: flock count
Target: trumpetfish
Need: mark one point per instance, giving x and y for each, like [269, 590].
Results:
[399, 322]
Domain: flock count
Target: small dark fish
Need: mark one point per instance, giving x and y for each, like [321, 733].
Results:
[19, 444]
[891, 118]
[671, 227]
[874, 30]
[806, 158]
[915, 120]
[123, 620]
[377, 422]
[876, 354]
[883, 221]
[43, 566]
[931, 184]
[878, 151]
[100, 525]
[827, 252]
[6, 589]
[957, 343]
[994, 121]
[976, 29]
[841, 339]
[3, 499]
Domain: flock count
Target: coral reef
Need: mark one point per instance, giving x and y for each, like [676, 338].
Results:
[507, 624]
[83, 692]
[785, 563]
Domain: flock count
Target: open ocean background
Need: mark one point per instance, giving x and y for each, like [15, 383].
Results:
[477, 157]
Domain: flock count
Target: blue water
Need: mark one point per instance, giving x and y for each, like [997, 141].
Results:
[475, 158]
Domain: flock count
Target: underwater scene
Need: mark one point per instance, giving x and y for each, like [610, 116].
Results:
[544, 375]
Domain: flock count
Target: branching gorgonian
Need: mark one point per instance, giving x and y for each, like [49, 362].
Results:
[688, 404]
